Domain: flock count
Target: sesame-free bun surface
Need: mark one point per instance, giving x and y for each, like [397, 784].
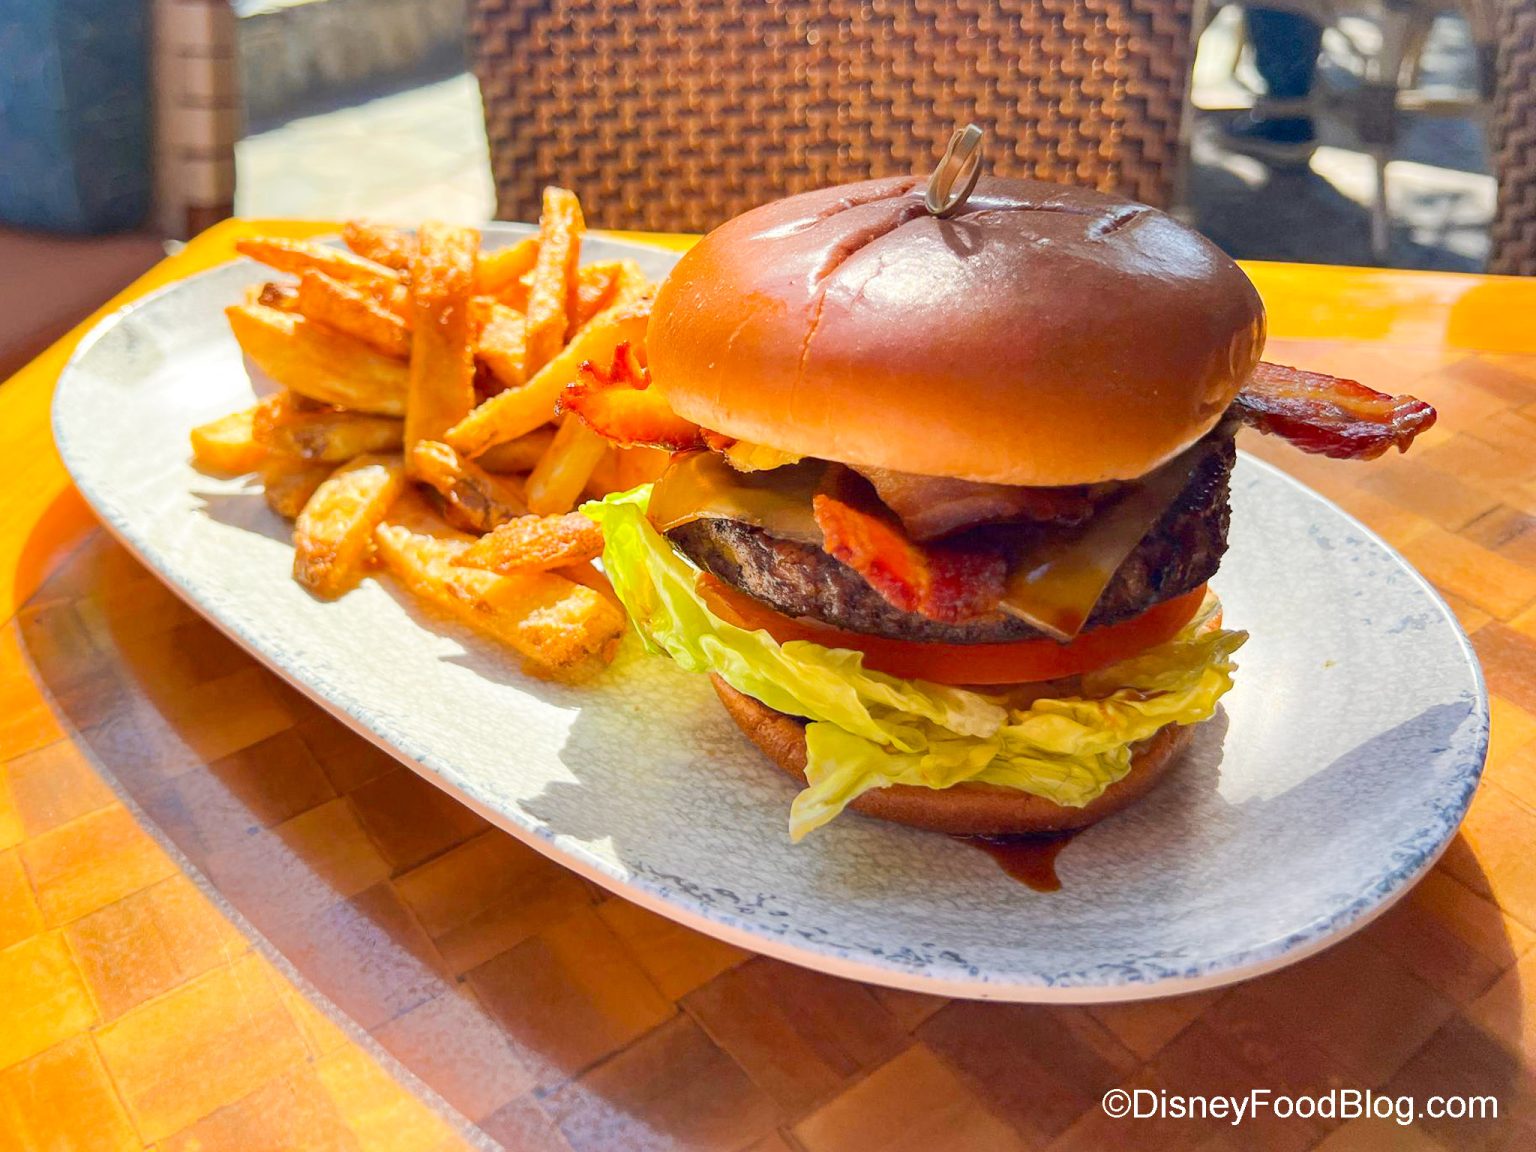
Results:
[965, 809]
[1045, 335]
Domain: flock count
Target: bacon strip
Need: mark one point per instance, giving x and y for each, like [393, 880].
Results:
[942, 583]
[618, 403]
[933, 506]
[1328, 415]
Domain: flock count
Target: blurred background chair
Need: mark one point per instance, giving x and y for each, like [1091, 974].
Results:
[1385, 74]
[1513, 141]
[676, 116]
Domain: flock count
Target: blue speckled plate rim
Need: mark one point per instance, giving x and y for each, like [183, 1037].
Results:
[932, 972]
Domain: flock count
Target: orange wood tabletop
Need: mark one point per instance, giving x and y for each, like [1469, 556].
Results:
[227, 922]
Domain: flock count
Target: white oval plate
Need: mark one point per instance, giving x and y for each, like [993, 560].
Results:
[1343, 762]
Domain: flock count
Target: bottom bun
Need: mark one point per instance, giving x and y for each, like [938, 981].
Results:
[965, 809]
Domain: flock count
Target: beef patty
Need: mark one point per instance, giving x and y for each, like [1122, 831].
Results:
[1181, 552]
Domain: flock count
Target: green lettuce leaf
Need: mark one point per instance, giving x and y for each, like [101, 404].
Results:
[869, 730]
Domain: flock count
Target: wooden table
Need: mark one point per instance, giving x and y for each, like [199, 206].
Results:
[226, 922]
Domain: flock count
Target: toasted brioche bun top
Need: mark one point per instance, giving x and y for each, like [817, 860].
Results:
[1044, 335]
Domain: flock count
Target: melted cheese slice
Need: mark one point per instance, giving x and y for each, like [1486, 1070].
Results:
[1055, 583]
[700, 485]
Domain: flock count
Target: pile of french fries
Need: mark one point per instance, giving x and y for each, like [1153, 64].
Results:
[415, 425]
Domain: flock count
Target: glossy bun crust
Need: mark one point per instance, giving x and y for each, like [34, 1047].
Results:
[1045, 335]
[966, 809]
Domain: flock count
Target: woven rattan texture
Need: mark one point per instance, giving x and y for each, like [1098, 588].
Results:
[677, 116]
[1514, 142]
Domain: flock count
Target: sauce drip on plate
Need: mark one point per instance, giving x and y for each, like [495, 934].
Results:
[1031, 860]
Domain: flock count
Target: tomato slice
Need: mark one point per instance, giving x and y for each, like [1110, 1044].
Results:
[1017, 662]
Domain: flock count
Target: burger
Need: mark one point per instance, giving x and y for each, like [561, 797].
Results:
[947, 493]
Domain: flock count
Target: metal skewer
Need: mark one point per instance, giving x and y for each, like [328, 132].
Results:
[955, 178]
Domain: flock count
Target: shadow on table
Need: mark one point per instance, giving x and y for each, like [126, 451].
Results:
[554, 1017]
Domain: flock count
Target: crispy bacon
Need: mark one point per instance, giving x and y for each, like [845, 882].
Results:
[933, 506]
[939, 581]
[1328, 415]
[618, 403]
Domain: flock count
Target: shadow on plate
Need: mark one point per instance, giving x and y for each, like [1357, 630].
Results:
[246, 509]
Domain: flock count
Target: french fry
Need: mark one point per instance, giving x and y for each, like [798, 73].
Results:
[515, 294]
[502, 269]
[559, 627]
[595, 285]
[392, 297]
[319, 362]
[501, 346]
[379, 243]
[552, 292]
[227, 444]
[288, 482]
[324, 434]
[619, 404]
[297, 256]
[605, 476]
[630, 286]
[557, 479]
[518, 455]
[519, 411]
[278, 408]
[442, 376]
[357, 313]
[473, 498]
[283, 297]
[611, 284]
[536, 544]
[333, 535]
[377, 349]
[593, 579]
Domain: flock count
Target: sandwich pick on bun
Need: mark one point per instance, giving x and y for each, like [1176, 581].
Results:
[947, 491]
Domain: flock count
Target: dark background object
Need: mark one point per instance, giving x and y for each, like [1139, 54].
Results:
[74, 114]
